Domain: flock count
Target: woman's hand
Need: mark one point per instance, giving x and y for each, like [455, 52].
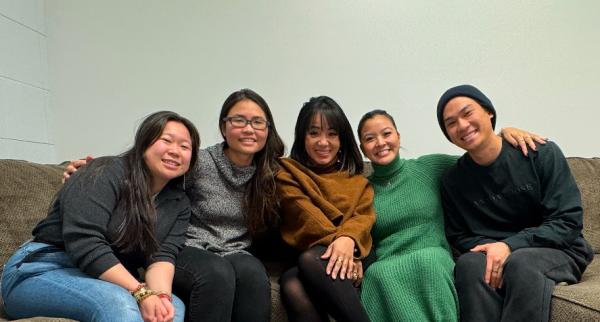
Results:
[341, 254]
[518, 137]
[357, 274]
[170, 309]
[153, 309]
[73, 166]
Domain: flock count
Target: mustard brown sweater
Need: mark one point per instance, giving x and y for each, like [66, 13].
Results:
[316, 206]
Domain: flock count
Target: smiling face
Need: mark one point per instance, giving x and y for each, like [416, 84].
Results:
[379, 140]
[169, 156]
[468, 124]
[321, 142]
[244, 142]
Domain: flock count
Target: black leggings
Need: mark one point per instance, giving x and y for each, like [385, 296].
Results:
[229, 288]
[309, 294]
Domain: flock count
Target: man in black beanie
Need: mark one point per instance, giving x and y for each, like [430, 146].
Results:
[516, 219]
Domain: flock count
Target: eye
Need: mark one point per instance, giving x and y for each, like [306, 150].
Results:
[259, 123]
[368, 138]
[450, 123]
[387, 133]
[258, 120]
[332, 133]
[238, 121]
[313, 133]
[166, 139]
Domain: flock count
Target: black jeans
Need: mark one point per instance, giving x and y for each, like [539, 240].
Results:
[229, 288]
[528, 281]
[309, 294]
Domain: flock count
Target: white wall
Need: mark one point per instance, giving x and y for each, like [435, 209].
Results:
[112, 62]
[25, 115]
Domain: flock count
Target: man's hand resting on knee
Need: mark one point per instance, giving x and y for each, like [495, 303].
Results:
[496, 255]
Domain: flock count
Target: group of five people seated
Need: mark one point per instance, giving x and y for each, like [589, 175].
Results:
[363, 249]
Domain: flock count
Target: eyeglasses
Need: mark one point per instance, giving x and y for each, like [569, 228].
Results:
[257, 123]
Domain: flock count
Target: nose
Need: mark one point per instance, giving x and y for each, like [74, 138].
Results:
[379, 141]
[462, 123]
[248, 128]
[322, 140]
[174, 150]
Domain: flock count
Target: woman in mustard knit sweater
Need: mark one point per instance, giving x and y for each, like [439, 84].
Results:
[412, 279]
[326, 214]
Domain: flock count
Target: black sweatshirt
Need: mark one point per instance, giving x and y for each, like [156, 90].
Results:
[84, 219]
[524, 201]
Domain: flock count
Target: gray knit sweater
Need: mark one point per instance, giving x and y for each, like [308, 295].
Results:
[216, 192]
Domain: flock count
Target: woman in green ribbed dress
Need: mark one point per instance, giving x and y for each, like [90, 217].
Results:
[412, 279]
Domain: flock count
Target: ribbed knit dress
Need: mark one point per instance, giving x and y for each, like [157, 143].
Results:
[412, 279]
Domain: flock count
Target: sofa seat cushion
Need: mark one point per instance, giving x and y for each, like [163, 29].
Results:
[586, 172]
[579, 302]
[40, 319]
[25, 194]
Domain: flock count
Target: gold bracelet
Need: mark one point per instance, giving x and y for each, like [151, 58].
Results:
[142, 292]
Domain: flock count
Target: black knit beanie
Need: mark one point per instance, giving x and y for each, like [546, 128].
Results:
[468, 91]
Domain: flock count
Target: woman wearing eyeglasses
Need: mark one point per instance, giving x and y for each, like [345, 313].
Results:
[232, 192]
[232, 198]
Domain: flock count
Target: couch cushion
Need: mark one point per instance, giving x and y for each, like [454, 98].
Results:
[587, 174]
[579, 302]
[25, 194]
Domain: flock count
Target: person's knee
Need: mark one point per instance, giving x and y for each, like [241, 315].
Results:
[311, 260]
[518, 267]
[290, 284]
[215, 274]
[469, 268]
[218, 274]
[118, 306]
[250, 268]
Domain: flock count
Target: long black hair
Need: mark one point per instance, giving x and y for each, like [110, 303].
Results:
[349, 155]
[260, 197]
[138, 230]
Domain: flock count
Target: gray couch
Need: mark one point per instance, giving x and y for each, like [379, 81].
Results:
[27, 188]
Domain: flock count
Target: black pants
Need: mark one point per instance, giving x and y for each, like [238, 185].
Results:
[528, 281]
[309, 294]
[229, 288]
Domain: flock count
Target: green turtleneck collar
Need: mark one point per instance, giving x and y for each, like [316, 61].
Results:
[388, 170]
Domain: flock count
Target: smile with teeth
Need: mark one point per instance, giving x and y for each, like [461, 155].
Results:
[250, 140]
[170, 163]
[469, 135]
[383, 152]
[323, 153]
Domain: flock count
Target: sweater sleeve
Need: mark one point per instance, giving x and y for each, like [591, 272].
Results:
[438, 164]
[560, 204]
[358, 226]
[457, 233]
[87, 203]
[303, 224]
[172, 244]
